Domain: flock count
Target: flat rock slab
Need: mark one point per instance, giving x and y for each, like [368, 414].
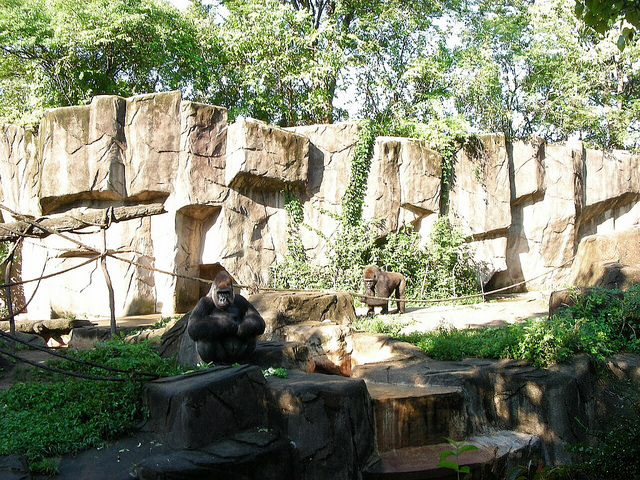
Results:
[254, 455]
[14, 467]
[280, 309]
[115, 461]
[42, 327]
[495, 455]
[87, 336]
[379, 347]
[283, 355]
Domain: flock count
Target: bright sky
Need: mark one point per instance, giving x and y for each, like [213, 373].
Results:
[180, 3]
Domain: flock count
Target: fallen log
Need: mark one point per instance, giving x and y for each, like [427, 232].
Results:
[68, 223]
[52, 326]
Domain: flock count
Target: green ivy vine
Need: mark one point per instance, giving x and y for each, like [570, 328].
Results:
[353, 198]
[441, 268]
[293, 207]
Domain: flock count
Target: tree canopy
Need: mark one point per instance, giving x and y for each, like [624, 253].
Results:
[601, 15]
[521, 67]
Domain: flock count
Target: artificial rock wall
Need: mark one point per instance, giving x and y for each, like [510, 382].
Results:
[526, 205]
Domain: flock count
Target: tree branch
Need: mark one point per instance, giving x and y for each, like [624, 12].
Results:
[67, 223]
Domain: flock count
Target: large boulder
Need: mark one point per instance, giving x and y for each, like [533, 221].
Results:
[608, 260]
[507, 394]
[480, 195]
[19, 169]
[528, 169]
[612, 182]
[197, 409]
[330, 152]
[480, 199]
[280, 309]
[328, 343]
[330, 421]
[404, 183]
[545, 211]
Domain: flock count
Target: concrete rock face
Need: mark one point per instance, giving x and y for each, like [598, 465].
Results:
[525, 205]
[608, 260]
[327, 420]
[404, 184]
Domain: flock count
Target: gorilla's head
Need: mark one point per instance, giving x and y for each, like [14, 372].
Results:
[370, 278]
[222, 291]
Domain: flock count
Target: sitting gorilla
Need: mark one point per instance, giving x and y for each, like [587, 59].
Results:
[381, 284]
[224, 326]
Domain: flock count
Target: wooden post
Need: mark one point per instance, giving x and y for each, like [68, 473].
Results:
[7, 295]
[107, 278]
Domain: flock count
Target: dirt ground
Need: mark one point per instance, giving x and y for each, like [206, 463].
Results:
[493, 313]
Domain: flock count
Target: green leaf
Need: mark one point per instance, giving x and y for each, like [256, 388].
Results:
[467, 448]
[450, 465]
[621, 43]
[445, 454]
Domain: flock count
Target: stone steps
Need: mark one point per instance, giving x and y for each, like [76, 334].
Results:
[413, 416]
[497, 454]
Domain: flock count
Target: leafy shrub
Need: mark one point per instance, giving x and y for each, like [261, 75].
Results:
[401, 252]
[57, 415]
[615, 453]
[449, 271]
[542, 341]
[456, 344]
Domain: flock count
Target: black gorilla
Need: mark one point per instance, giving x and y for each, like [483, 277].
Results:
[224, 326]
[382, 284]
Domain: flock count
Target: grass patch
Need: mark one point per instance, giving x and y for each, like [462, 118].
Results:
[54, 414]
[388, 324]
[601, 323]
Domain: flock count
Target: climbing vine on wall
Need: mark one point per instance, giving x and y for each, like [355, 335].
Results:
[293, 207]
[353, 198]
[295, 271]
[446, 135]
[442, 268]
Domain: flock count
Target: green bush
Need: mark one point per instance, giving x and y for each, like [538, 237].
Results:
[55, 414]
[450, 271]
[388, 324]
[614, 454]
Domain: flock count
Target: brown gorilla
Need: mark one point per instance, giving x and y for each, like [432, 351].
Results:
[381, 284]
[224, 325]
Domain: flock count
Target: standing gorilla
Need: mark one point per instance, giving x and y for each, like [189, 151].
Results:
[224, 326]
[381, 284]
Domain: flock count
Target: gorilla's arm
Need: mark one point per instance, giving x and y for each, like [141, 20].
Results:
[206, 322]
[251, 324]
